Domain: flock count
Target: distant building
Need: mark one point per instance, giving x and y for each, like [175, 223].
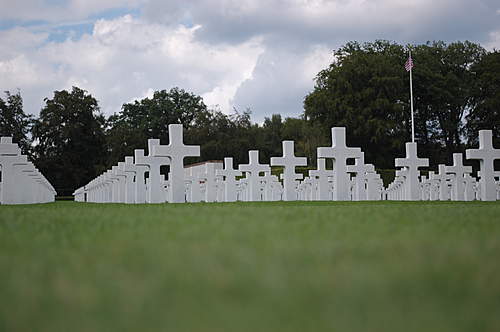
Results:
[198, 169]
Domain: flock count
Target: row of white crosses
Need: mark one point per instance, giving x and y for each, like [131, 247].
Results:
[321, 184]
[451, 182]
[21, 182]
[127, 182]
[349, 179]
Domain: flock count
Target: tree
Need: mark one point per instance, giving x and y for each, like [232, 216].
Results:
[443, 90]
[149, 118]
[366, 90]
[272, 133]
[485, 112]
[14, 122]
[70, 142]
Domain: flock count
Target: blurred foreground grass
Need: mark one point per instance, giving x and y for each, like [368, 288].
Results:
[374, 266]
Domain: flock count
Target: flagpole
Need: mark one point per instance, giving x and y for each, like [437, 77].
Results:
[411, 103]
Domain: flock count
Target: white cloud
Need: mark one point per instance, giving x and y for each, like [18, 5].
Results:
[280, 81]
[494, 41]
[127, 57]
[19, 40]
[262, 54]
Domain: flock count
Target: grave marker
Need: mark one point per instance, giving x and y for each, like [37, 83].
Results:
[176, 151]
[340, 153]
[486, 154]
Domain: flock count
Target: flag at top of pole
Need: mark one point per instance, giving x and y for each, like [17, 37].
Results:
[409, 66]
[409, 63]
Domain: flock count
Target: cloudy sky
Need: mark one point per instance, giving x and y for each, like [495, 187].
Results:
[260, 54]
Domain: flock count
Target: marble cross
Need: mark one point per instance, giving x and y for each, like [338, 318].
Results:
[412, 162]
[486, 154]
[154, 163]
[119, 183]
[194, 186]
[359, 168]
[129, 169]
[25, 183]
[322, 175]
[289, 161]
[458, 183]
[176, 150]
[470, 183]
[373, 183]
[434, 185]
[10, 157]
[444, 180]
[340, 153]
[253, 169]
[138, 181]
[210, 182]
[229, 174]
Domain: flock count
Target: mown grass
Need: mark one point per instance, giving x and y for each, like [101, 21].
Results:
[370, 266]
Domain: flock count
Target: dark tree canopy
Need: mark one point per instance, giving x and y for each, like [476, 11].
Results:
[14, 122]
[70, 143]
[149, 118]
[366, 89]
[485, 110]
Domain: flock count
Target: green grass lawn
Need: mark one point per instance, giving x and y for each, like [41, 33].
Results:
[326, 266]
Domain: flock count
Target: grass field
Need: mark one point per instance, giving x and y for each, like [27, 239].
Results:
[370, 266]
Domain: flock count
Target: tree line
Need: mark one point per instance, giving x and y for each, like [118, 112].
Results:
[365, 88]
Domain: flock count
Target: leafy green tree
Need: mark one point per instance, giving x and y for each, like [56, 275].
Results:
[366, 90]
[444, 91]
[485, 113]
[149, 118]
[272, 134]
[14, 122]
[70, 142]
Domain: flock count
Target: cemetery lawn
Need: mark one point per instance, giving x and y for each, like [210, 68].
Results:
[296, 266]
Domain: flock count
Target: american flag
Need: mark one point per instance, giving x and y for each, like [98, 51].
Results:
[409, 63]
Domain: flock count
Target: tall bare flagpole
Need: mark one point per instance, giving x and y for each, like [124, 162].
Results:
[409, 67]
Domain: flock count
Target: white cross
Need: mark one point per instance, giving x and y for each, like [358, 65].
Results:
[194, 194]
[108, 179]
[434, 183]
[107, 183]
[398, 185]
[360, 168]
[10, 157]
[339, 152]
[267, 182]
[176, 151]
[458, 183]
[322, 175]
[129, 169]
[253, 168]
[7, 147]
[289, 162]
[373, 183]
[120, 184]
[139, 182]
[229, 174]
[25, 183]
[155, 188]
[486, 154]
[209, 176]
[412, 162]
[444, 180]
[470, 183]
